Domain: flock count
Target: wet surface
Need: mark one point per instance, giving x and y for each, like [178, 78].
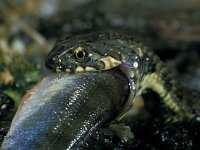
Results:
[169, 28]
[64, 109]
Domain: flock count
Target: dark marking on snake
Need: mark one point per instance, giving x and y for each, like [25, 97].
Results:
[104, 50]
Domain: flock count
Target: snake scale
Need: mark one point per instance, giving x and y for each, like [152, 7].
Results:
[101, 51]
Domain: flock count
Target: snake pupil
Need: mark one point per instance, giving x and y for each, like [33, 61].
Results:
[80, 54]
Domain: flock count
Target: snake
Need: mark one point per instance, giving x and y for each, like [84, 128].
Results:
[104, 50]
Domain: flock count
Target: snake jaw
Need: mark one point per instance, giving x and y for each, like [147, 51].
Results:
[90, 69]
[110, 62]
[79, 69]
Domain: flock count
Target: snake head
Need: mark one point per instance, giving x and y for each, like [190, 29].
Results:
[88, 52]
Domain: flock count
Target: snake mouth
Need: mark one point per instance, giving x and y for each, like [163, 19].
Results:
[78, 69]
[69, 68]
[84, 69]
[59, 65]
[104, 64]
[110, 62]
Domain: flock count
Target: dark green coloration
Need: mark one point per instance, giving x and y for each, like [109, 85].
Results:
[25, 74]
[6, 104]
[107, 50]
[4, 127]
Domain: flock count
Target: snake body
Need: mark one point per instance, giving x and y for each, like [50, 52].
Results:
[105, 50]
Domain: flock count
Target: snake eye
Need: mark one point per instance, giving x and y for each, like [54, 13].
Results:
[80, 53]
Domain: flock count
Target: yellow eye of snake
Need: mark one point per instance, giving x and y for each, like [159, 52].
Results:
[80, 53]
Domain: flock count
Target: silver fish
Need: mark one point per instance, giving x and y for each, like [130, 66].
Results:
[62, 110]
